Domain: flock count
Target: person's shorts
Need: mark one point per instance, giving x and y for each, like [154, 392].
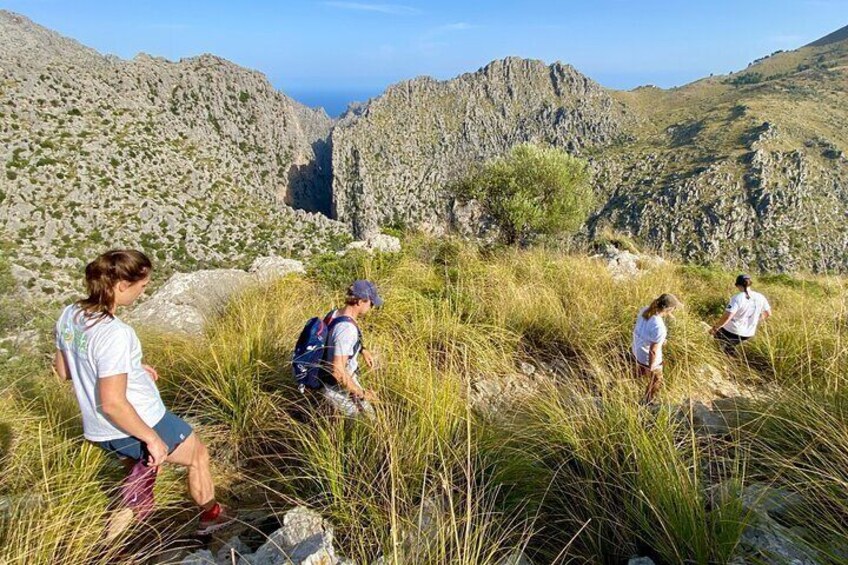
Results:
[345, 403]
[730, 338]
[645, 368]
[171, 428]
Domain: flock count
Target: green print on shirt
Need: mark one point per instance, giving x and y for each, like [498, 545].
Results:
[75, 339]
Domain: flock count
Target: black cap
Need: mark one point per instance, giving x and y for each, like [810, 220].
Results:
[742, 279]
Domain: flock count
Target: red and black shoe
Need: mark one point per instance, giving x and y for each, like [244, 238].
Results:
[215, 518]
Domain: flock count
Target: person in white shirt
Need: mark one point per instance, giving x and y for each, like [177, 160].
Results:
[649, 335]
[742, 315]
[342, 388]
[122, 411]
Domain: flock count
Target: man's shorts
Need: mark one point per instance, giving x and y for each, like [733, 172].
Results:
[730, 338]
[171, 428]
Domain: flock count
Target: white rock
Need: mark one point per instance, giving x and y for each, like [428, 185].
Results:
[201, 557]
[269, 268]
[304, 539]
[380, 242]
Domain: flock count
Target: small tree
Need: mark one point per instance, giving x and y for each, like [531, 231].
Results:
[532, 190]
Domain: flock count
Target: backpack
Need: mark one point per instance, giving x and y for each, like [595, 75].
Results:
[309, 365]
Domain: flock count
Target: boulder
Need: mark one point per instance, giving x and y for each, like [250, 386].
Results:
[201, 557]
[304, 539]
[623, 264]
[187, 300]
[269, 268]
[640, 561]
[380, 243]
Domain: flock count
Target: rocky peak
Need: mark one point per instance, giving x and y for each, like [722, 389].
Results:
[392, 161]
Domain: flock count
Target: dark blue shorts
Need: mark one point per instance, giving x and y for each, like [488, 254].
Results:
[171, 428]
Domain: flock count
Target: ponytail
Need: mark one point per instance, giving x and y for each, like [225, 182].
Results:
[662, 302]
[747, 286]
[102, 274]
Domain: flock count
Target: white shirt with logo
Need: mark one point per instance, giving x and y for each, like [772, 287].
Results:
[99, 349]
[746, 313]
[645, 334]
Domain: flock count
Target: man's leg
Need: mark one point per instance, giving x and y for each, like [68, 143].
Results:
[193, 455]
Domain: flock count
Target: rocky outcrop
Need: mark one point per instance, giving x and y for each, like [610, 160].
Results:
[393, 159]
[187, 301]
[304, 539]
[192, 161]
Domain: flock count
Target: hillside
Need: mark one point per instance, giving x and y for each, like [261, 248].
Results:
[508, 429]
[392, 160]
[746, 170]
[193, 161]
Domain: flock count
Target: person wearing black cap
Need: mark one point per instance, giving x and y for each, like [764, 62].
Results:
[344, 345]
[742, 315]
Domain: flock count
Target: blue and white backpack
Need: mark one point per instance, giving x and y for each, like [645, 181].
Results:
[309, 364]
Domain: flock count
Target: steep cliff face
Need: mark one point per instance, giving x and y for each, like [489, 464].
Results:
[393, 159]
[193, 161]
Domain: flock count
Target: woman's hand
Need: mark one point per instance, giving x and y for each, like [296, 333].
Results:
[152, 372]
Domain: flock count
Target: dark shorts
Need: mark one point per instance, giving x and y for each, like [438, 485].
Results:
[171, 428]
[730, 338]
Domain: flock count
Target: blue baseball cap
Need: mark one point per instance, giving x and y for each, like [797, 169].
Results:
[366, 290]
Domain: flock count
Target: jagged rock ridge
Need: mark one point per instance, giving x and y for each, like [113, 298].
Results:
[393, 159]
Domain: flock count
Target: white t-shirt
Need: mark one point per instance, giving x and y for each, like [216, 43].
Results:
[646, 333]
[746, 313]
[344, 339]
[103, 349]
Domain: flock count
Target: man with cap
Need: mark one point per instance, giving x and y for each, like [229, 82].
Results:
[344, 345]
[742, 315]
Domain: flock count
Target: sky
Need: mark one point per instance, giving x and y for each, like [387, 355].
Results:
[329, 52]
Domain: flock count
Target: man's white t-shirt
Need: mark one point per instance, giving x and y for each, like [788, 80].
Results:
[344, 339]
[746, 313]
[646, 333]
[96, 350]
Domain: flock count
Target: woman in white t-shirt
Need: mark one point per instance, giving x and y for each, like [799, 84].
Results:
[649, 335]
[742, 315]
[122, 411]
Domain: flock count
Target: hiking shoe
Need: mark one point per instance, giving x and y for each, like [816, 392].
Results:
[214, 519]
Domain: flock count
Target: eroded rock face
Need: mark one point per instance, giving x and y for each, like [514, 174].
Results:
[393, 159]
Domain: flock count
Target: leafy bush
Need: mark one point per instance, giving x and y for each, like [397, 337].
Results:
[532, 190]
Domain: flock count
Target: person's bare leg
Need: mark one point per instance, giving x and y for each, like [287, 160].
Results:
[654, 385]
[192, 454]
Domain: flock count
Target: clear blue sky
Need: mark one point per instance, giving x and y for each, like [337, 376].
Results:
[357, 48]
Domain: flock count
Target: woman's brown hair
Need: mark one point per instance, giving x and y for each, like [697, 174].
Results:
[102, 274]
[662, 302]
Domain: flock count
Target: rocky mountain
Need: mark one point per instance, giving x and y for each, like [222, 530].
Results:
[747, 169]
[393, 158]
[192, 161]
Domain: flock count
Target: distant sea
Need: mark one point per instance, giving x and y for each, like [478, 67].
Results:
[335, 102]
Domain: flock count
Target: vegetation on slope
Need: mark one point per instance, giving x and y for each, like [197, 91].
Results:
[573, 472]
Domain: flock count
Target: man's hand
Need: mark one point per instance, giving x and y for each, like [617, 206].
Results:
[157, 451]
[152, 372]
[368, 358]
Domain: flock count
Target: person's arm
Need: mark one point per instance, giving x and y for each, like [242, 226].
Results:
[60, 367]
[343, 378]
[721, 322]
[115, 406]
[653, 353]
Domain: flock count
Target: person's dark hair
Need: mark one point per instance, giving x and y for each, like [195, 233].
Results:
[661, 303]
[102, 274]
[745, 282]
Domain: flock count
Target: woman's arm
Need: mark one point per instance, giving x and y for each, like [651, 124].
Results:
[721, 321]
[653, 353]
[60, 367]
[114, 404]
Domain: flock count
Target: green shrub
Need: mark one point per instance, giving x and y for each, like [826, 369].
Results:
[532, 190]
